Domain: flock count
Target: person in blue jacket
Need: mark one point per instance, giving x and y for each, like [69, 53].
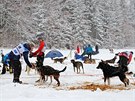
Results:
[88, 51]
[6, 63]
[23, 49]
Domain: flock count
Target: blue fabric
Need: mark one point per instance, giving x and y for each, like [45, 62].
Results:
[6, 59]
[25, 55]
[88, 49]
[77, 56]
[53, 54]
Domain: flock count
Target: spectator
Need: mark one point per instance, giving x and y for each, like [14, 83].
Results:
[88, 50]
[6, 63]
[78, 49]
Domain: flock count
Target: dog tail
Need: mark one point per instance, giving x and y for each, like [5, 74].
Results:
[63, 69]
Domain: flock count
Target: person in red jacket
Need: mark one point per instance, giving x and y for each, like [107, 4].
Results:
[78, 49]
[39, 53]
[124, 59]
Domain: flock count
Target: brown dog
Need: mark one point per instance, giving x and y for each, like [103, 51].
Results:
[77, 65]
[88, 61]
[61, 60]
[49, 71]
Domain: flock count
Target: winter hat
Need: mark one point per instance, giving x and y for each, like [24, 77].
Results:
[40, 35]
[31, 44]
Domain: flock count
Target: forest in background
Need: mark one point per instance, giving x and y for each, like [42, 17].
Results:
[67, 23]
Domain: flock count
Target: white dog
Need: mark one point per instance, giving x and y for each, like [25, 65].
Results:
[28, 69]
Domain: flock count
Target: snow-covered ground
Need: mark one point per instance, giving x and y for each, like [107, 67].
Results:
[74, 87]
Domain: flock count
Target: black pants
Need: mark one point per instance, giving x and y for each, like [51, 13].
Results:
[17, 68]
[123, 63]
[89, 56]
[4, 68]
[40, 60]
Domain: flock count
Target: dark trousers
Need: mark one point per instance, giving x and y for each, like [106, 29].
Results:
[40, 60]
[16, 65]
[89, 56]
[4, 68]
[39, 63]
[123, 63]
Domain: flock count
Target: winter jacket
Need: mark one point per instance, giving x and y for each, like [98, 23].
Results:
[78, 49]
[88, 50]
[5, 59]
[40, 50]
[20, 50]
[127, 54]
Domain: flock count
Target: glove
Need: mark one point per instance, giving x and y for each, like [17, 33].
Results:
[31, 55]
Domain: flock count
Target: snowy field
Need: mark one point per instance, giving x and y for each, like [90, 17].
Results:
[74, 87]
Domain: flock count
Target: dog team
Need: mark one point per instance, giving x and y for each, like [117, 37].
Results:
[25, 50]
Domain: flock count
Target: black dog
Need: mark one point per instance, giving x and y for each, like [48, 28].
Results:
[61, 60]
[49, 71]
[77, 65]
[110, 71]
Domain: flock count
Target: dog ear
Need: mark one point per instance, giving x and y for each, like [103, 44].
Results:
[103, 61]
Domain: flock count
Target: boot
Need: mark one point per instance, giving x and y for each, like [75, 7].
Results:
[37, 80]
[3, 71]
[17, 81]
